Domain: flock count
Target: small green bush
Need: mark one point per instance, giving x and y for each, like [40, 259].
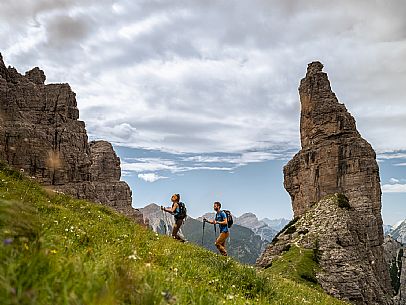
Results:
[316, 252]
[291, 230]
[343, 202]
[286, 248]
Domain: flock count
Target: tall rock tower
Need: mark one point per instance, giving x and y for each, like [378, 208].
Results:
[334, 157]
[335, 160]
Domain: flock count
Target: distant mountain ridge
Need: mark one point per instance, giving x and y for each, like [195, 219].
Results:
[387, 229]
[276, 224]
[259, 227]
[399, 232]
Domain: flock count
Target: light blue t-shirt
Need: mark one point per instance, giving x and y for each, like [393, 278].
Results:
[220, 216]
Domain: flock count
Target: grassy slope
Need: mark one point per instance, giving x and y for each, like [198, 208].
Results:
[56, 250]
[297, 264]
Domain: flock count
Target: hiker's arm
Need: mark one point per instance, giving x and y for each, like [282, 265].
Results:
[224, 222]
[172, 209]
[214, 222]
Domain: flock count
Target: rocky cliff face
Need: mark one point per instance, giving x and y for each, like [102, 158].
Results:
[41, 134]
[395, 257]
[335, 159]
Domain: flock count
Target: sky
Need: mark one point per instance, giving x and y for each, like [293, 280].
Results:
[200, 97]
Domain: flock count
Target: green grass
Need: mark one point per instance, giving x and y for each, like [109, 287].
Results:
[57, 250]
[297, 264]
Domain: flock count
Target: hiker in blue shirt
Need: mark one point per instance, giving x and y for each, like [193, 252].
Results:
[175, 210]
[221, 220]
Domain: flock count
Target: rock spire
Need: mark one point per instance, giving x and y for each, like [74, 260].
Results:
[335, 161]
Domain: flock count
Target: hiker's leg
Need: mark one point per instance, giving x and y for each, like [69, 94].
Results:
[226, 235]
[176, 228]
[220, 243]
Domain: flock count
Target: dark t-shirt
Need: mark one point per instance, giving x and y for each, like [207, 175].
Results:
[176, 212]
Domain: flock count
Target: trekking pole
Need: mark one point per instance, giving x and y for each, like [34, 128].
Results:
[164, 220]
[215, 231]
[204, 222]
[167, 224]
[229, 237]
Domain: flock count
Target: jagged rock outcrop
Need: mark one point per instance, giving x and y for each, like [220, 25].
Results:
[395, 257]
[40, 133]
[335, 159]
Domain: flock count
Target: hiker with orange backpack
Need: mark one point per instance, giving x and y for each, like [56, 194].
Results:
[178, 210]
[222, 220]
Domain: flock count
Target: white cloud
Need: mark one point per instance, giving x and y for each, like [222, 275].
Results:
[201, 76]
[149, 164]
[142, 27]
[394, 188]
[400, 164]
[393, 180]
[141, 165]
[150, 177]
[240, 159]
[392, 155]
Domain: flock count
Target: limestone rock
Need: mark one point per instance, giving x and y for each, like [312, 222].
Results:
[335, 159]
[105, 163]
[395, 257]
[347, 270]
[36, 75]
[41, 134]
